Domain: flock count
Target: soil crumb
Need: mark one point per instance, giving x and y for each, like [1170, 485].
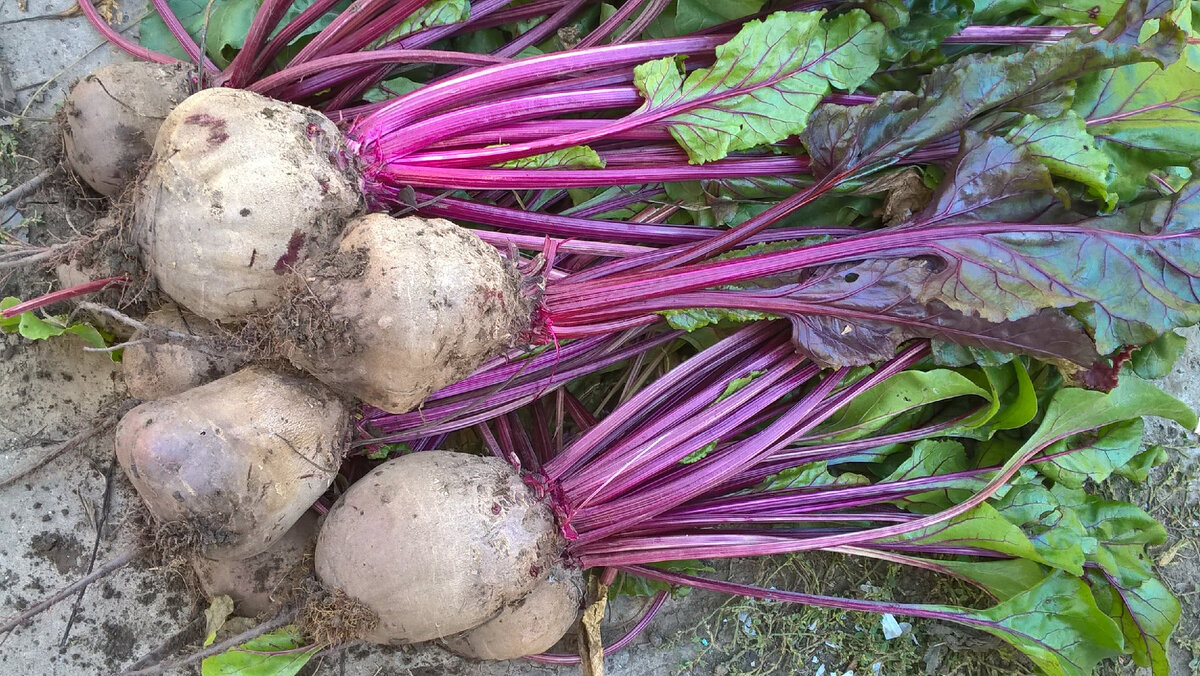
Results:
[64, 551]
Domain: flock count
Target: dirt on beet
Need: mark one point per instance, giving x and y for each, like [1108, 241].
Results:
[173, 544]
[306, 322]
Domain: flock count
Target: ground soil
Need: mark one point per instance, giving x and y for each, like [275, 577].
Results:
[74, 513]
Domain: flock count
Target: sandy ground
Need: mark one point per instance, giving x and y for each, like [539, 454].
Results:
[65, 518]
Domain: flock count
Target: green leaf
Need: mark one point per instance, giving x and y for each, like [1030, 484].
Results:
[1072, 410]
[634, 585]
[1056, 624]
[714, 203]
[982, 527]
[433, 13]
[1138, 468]
[1069, 527]
[1020, 267]
[298, 7]
[694, 15]
[699, 454]
[584, 198]
[228, 26]
[1002, 578]
[932, 457]
[1013, 400]
[698, 318]
[1144, 117]
[482, 41]
[9, 324]
[1099, 12]
[738, 383]
[1117, 534]
[1094, 455]
[994, 11]
[765, 82]
[925, 24]
[218, 610]
[153, 33]
[903, 392]
[860, 313]
[893, 14]
[1147, 614]
[36, 328]
[575, 156]
[1155, 360]
[1018, 402]
[290, 659]
[397, 86]
[88, 333]
[858, 140]
[387, 450]
[1064, 145]
[1056, 532]
[811, 475]
[33, 327]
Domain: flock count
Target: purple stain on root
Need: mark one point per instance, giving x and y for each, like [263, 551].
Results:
[293, 252]
[216, 127]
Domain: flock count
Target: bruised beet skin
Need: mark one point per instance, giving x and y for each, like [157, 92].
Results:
[436, 543]
[240, 189]
[237, 460]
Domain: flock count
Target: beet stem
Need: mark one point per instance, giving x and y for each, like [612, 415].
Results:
[63, 294]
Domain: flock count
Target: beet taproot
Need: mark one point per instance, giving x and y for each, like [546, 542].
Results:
[259, 584]
[436, 543]
[112, 116]
[528, 626]
[240, 188]
[154, 370]
[402, 308]
[236, 461]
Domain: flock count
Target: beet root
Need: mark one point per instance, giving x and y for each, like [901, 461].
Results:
[111, 118]
[240, 189]
[403, 308]
[529, 626]
[160, 369]
[237, 461]
[260, 584]
[436, 543]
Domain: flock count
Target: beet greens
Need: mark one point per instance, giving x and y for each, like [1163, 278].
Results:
[860, 278]
[748, 449]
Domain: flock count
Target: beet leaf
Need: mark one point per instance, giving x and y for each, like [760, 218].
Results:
[764, 84]
[1144, 117]
[1056, 624]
